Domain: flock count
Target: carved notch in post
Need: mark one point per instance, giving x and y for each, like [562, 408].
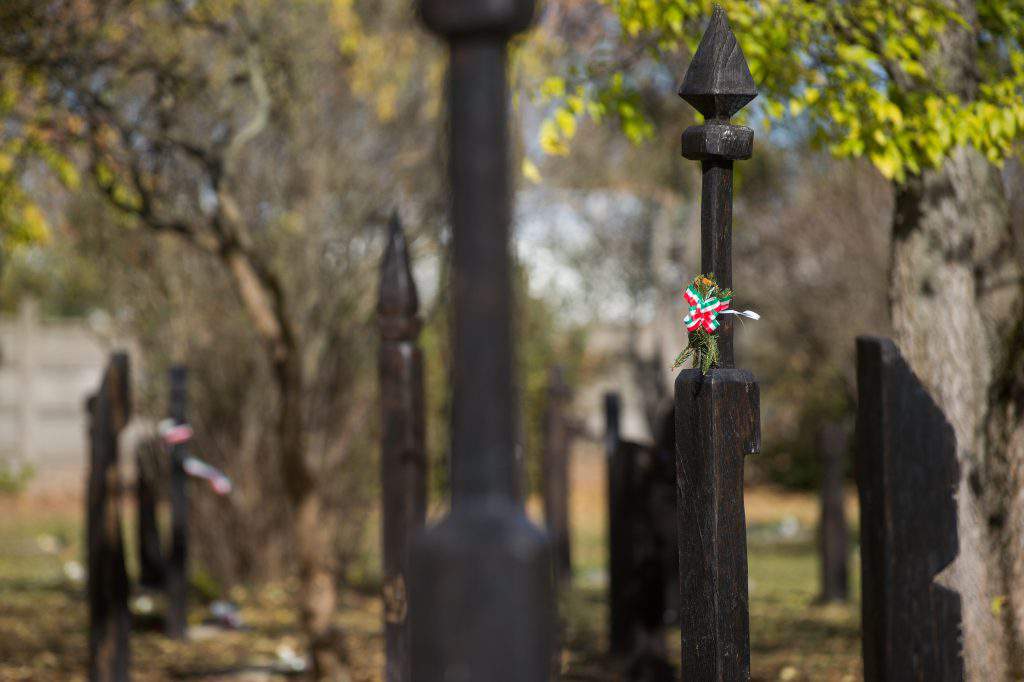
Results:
[403, 450]
[481, 591]
[717, 414]
[109, 619]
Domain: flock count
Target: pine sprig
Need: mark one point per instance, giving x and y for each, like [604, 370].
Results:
[703, 346]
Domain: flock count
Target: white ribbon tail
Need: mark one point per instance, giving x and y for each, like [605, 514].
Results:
[745, 313]
[220, 483]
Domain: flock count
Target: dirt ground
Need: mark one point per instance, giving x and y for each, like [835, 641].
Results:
[43, 632]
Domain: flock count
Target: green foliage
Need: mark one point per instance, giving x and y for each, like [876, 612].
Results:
[24, 140]
[867, 78]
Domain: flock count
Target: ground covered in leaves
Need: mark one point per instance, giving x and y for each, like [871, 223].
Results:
[43, 618]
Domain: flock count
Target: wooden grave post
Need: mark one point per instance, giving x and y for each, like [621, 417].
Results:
[109, 620]
[482, 588]
[907, 475]
[403, 449]
[717, 414]
[147, 489]
[833, 444]
[620, 546]
[177, 562]
[557, 444]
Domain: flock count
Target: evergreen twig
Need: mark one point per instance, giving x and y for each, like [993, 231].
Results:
[703, 346]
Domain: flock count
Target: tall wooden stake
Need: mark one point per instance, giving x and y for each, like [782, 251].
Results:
[481, 597]
[907, 478]
[557, 442]
[147, 489]
[833, 445]
[717, 414]
[403, 450]
[619, 461]
[109, 620]
[177, 562]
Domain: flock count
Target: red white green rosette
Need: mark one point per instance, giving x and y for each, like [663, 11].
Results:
[704, 311]
[706, 301]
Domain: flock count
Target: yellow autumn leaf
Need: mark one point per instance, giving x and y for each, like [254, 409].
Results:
[531, 172]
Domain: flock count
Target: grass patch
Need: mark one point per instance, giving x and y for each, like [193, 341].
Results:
[44, 619]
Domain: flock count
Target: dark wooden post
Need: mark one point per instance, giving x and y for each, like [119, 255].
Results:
[177, 563]
[557, 442]
[403, 450]
[147, 490]
[907, 476]
[109, 620]
[482, 592]
[620, 546]
[833, 444]
[717, 414]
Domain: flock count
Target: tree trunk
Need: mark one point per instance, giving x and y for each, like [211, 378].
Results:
[263, 299]
[958, 314]
[318, 594]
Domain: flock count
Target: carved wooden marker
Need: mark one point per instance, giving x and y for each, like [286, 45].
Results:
[643, 561]
[907, 476]
[717, 414]
[177, 561]
[403, 452]
[109, 620]
[482, 590]
[833, 444]
[557, 442]
[147, 488]
[620, 548]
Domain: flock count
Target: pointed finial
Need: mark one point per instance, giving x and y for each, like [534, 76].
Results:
[718, 82]
[398, 302]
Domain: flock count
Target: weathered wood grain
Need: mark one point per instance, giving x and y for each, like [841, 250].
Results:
[716, 414]
[907, 473]
[109, 619]
[403, 443]
[717, 426]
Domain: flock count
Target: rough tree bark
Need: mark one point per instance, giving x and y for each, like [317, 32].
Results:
[958, 314]
[263, 298]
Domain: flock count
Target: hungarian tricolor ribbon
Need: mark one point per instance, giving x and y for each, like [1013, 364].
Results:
[704, 311]
[175, 434]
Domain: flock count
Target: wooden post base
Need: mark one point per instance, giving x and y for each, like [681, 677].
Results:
[482, 597]
[717, 426]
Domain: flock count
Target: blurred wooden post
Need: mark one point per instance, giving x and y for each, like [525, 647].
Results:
[907, 476]
[482, 590]
[177, 563]
[717, 414]
[147, 489]
[109, 619]
[833, 445]
[620, 547]
[403, 449]
[557, 442]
